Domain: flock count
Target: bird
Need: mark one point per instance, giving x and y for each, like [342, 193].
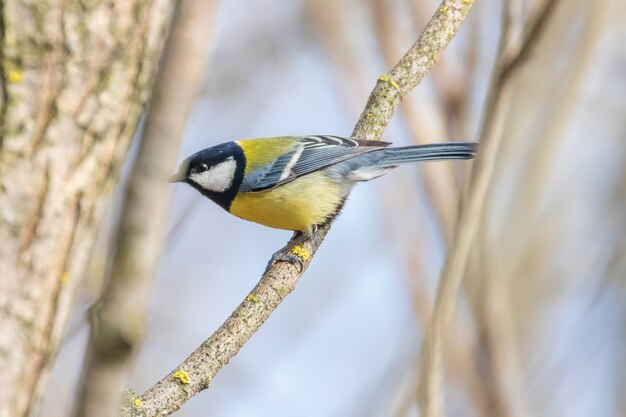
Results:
[298, 183]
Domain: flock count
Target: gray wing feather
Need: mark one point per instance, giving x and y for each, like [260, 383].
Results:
[318, 152]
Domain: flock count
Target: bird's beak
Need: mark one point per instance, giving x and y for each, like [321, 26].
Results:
[181, 174]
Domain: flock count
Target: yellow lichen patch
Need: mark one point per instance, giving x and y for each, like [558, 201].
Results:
[15, 76]
[182, 376]
[137, 402]
[65, 277]
[252, 297]
[301, 252]
[443, 9]
[386, 78]
[467, 1]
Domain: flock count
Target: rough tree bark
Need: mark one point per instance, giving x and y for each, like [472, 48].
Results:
[74, 77]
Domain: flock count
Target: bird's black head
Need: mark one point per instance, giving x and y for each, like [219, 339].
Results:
[216, 172]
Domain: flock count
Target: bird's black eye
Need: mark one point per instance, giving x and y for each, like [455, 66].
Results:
[204, 167]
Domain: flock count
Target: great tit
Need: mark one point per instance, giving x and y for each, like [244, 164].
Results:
[298, 182]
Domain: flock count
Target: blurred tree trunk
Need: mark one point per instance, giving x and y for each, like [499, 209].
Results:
[118, 321]
[74, 78]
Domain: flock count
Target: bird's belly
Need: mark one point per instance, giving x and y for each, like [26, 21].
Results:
[298, 205]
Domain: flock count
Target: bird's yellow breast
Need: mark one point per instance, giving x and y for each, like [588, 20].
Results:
[298, 205]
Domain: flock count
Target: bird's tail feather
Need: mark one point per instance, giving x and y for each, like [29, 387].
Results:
[431, 152]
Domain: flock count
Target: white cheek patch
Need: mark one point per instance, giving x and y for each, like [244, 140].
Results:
[219, 178]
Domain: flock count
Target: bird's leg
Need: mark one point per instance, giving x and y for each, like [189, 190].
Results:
[289, 254]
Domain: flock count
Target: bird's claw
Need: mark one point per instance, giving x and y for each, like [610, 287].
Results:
[290, 257]
[294, 253]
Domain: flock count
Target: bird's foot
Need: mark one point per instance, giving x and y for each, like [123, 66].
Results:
[294, 252]
[289, 257]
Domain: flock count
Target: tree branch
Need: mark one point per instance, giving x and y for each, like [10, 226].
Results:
[437, 179]
[510, 57]
[280, 278]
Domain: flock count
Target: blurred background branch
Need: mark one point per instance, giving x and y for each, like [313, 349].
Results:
[493, 302]
[510, 57]
[118, 323]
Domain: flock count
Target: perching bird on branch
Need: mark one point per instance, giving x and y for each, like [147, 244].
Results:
[298, 182]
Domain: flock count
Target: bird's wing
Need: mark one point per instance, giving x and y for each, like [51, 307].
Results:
[312, 154]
